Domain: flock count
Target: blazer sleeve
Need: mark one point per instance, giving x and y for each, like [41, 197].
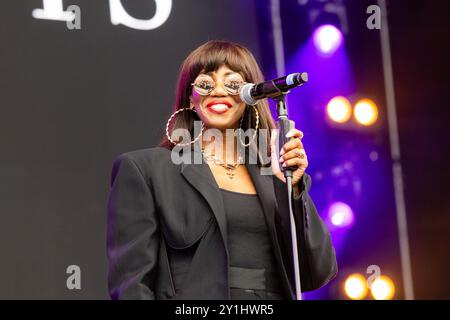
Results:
[132, 233]
[316, 252]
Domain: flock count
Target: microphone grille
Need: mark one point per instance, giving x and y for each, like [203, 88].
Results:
[246, 95]
[296, 78]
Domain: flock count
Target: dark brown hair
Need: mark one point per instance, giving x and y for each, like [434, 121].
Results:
[210, 57]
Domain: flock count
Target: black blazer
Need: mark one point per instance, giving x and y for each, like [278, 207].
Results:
[167, 233]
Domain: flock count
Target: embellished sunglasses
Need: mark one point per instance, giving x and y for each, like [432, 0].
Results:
[205, 85]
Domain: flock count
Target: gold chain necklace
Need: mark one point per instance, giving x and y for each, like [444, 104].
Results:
[230, 168]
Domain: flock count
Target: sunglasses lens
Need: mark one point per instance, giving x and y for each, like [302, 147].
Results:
[233, 87]
[203, 87]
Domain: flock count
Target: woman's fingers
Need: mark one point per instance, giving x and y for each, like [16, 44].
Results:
[294, 133]
[294, 153]
[294, 143]
[296, 162]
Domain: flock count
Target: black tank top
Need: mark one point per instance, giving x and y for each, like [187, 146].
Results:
[252, 259]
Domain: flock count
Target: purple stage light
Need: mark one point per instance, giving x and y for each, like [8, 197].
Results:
[340, 215]
[327, 39]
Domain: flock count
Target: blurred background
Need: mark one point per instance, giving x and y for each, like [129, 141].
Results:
[83, 81]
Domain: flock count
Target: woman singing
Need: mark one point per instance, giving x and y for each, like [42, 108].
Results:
[217, 228]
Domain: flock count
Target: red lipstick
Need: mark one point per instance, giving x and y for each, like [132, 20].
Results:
[218, 107]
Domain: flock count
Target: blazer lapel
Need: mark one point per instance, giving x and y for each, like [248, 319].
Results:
[202, 179]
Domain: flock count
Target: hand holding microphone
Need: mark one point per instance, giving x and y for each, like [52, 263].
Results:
[292, 155]
[291, 160]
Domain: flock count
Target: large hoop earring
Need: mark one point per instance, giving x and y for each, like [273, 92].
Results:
[167, 129]
[254, 133]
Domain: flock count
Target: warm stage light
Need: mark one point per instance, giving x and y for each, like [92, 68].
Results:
[383, 288]
[339, 109]
[327, 39]
[366, 112]
[356, 287]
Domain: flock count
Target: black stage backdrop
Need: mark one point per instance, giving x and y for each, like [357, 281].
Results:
[71, 101]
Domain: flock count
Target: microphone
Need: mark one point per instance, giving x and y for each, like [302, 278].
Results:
[250, 93]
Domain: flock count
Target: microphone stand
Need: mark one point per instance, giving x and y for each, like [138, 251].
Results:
[284, 125]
